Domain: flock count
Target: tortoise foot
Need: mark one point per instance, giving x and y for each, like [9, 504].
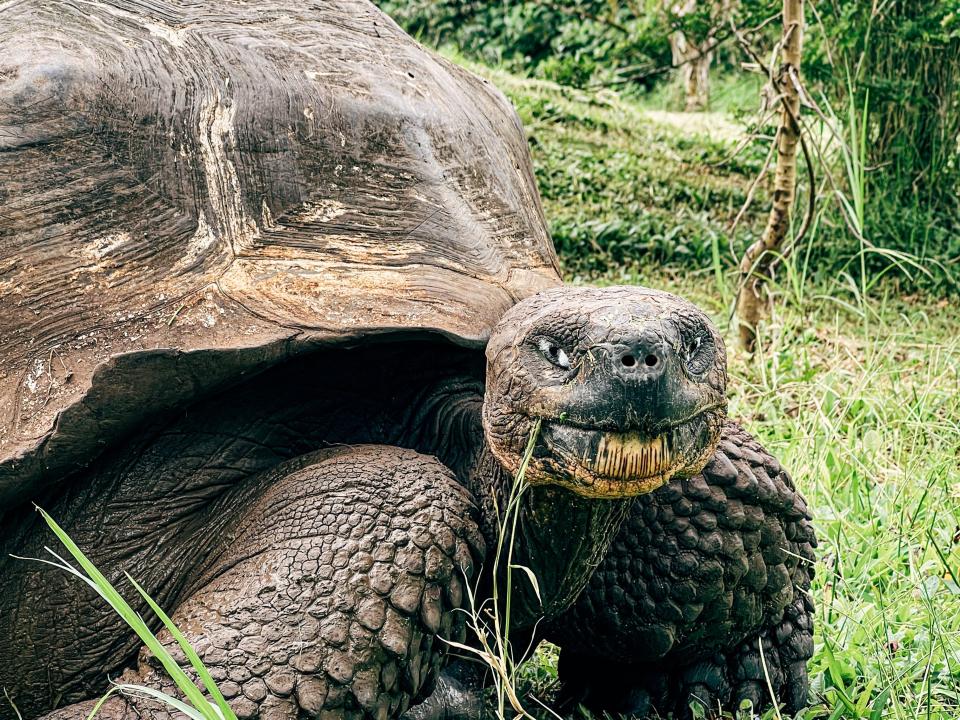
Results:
[714, 685]
[458, 694]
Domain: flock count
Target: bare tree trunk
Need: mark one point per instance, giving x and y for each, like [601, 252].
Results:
[756, 263]
[694, 63]
[693, 59]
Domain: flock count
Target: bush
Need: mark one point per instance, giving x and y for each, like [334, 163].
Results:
[901, 62]
[572, 43]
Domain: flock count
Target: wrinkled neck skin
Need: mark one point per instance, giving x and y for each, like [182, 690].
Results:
[561, 536]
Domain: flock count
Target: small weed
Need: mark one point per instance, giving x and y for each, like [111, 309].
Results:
[489, 622]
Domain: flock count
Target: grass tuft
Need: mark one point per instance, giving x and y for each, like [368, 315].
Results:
[489, 625]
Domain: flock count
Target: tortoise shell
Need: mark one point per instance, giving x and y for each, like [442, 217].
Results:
[193, 192]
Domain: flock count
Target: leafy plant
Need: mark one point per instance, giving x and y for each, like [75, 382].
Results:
[580, 43]
[898, 63]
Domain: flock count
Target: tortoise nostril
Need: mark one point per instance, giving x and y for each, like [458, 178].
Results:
[628, 360]
[651, 360]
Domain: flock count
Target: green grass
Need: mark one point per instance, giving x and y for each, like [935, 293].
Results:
[195, 705]
[489, 621]
[627, 182]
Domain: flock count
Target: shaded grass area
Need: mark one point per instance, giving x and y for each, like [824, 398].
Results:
[858, 396]
[623, 185]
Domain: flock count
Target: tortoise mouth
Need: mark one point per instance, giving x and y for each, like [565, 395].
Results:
[625, 456]
[613, 464]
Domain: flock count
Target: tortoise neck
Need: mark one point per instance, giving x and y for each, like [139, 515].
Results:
[444, 420]
[560, 536]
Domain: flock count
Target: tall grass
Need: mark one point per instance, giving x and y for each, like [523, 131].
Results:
[489, 622]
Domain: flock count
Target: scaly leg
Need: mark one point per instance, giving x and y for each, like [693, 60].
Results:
[343, 575]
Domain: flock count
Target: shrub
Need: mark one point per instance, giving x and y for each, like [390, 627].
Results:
[573, 43]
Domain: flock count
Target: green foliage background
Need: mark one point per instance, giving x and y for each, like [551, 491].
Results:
[578, 43]
[901, 65]
[890, 67]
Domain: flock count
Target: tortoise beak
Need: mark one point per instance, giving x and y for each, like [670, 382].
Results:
[622, 456]
[601, 463]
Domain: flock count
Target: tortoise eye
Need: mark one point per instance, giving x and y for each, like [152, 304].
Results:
[699, 354]
[554, 353]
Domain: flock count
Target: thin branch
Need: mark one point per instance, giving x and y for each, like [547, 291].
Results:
[812, 200]
[826, 45]
[756, 182]
[836, 189]
[660, 70]
[718, 39]
[572, 12]
[761, 120]
[756, 265]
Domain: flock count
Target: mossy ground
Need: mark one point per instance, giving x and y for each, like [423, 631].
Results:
[858, 393]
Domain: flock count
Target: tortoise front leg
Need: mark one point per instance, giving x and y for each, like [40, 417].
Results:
[342, 578]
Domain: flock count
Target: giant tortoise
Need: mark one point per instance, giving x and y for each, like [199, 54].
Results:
[279, 317]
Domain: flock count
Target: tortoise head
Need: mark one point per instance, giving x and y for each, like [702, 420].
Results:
[628, 385]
